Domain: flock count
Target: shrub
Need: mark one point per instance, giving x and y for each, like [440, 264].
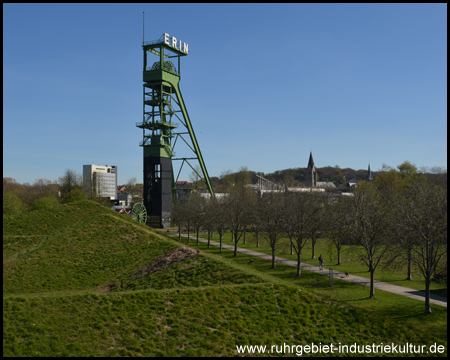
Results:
[12, 205]
[75, 195]
[48, 202]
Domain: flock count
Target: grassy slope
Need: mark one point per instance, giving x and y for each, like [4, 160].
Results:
[55, 262]
[400, 309]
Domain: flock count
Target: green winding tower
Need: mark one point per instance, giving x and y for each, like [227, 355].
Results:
[162, 103]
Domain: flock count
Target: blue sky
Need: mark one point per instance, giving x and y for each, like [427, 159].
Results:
[263, 84]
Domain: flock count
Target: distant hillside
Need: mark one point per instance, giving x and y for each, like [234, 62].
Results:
[293, 177]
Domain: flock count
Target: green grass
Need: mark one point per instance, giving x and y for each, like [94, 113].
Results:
[394, 275]
[189, 322]
[56, 265]
[195, 272]
[405, 310]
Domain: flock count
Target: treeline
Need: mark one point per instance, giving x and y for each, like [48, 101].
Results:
[296, 177]
[400, 216]
[46, 194]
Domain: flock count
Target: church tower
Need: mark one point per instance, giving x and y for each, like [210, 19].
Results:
[311, 174]
[369, 176]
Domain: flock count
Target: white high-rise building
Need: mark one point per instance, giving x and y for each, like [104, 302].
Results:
[102, 179]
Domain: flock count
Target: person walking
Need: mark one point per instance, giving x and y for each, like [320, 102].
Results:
[320, 262]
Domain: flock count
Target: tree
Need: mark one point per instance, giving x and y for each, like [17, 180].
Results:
[390, 185]
[407, 169]
[217, 214]
[197, 209]
[423, 219]
[317, 225]
[45, 187]
[209, 219]
[69, 181]
[243, 176]
[271, 217]
[238, 211]
[196, 178]
[337, 216]
[302, 209]
[184, 213]
[12, 205]
[177, 216]
[369, 227]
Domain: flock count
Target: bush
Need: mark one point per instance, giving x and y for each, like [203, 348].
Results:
[49, 202]
[12, 205]
[75, 195]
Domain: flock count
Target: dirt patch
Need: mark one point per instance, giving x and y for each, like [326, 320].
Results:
[107, 288]
[164, 261]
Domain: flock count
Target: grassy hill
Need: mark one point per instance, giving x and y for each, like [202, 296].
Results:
[83, 280]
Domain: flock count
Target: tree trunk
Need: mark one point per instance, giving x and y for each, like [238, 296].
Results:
[427, 292]
[273, 257]
[372, 290]
[220, 239]
[292, 245]
[257, 238]
[179, 232]
[188, 229]
[409, 276]
[245, 232]
[299, 257]
[235, 244]
[197, 234]
[339, 255]
[209, 237]
[313, 249]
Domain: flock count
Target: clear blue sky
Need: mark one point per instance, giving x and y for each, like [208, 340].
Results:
[263, 85]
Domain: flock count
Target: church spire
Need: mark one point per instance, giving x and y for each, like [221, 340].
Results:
[311, 161]
[369, 175]
[311, 174]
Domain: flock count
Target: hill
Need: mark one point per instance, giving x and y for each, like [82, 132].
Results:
[83, 280]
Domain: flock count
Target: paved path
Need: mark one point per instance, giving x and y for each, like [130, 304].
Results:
[400, 290]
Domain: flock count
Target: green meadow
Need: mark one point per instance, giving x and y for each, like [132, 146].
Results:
[82, 280]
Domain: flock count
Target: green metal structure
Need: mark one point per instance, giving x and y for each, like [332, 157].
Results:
[162, 105]
[139, 213]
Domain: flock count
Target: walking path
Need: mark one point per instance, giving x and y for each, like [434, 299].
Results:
[400, 290]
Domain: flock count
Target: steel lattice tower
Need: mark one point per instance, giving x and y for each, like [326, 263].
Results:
[163, 102]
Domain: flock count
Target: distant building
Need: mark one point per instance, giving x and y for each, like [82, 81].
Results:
[181, 184]
[101, 179]
[311, 174]
[325, 184]
[369, 176]
[351, 183]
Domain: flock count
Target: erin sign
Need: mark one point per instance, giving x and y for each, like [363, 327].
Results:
[172, 41]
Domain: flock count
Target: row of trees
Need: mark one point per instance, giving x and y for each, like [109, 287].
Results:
[399, 217]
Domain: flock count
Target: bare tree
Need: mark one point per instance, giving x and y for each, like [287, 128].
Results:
[302, 211]
[209, 219]
[271, 217]
[217, 214]
[369, 227]
[69, 181]
[238, 207]
[423, 210]
[337, 215]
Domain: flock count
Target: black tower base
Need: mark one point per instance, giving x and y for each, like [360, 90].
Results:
[158, 190]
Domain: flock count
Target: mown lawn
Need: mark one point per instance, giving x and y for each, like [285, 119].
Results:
[394, 274]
